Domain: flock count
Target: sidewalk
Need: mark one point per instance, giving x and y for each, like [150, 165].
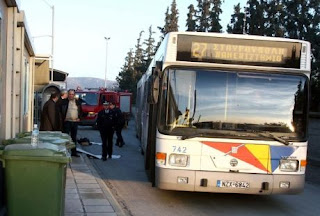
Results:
[85, 193]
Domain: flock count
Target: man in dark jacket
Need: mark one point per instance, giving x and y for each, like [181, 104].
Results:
[50, 114]
[106, 122]
[119, 124]
[63, 95]
[71, 112]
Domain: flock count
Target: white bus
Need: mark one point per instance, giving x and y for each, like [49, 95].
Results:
[226, 113]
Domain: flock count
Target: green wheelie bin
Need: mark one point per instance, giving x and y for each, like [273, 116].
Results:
[35, 179]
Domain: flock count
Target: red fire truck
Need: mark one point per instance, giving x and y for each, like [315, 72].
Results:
[93, 98]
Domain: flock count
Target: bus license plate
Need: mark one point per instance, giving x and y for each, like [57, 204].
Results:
[233, 184]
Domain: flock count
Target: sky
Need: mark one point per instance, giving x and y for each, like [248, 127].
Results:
[80, 28]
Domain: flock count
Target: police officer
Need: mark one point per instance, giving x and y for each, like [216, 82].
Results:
[106, 122]
[120, 122]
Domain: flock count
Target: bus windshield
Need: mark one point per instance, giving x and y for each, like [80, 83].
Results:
[211, 103]
[88, 98]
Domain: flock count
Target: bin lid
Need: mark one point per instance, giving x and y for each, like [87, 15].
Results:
[44, 151]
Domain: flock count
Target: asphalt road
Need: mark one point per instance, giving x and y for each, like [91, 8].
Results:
[127, 180]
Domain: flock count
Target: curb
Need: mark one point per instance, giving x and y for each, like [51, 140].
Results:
[114, 203]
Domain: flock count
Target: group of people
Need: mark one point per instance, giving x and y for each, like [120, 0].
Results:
[110, 119]
[62, 112]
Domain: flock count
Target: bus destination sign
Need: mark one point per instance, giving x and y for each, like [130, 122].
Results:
[238, 51]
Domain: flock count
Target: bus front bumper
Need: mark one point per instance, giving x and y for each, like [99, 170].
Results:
[207, 181]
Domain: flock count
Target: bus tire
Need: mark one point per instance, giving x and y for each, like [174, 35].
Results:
[149, 165]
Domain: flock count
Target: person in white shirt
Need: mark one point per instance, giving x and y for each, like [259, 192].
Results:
[71, 112]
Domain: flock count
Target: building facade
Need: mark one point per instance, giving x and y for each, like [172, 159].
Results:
[17, 66]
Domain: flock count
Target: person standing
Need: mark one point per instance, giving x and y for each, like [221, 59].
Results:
[71, 112]
[106, 122]
[63, 95]
[120, 122]
[50, 114]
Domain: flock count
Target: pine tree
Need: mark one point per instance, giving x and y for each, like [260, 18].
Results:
[165, 29]
[203, 15]
[138, 59]
[150, 49]
[275, 13]
[237, 21]
[170, 21]
[215, 16]
[191, 22]
[173, 24]
[125, 77]
[255, 13]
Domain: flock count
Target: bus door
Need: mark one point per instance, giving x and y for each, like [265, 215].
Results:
[235, 157]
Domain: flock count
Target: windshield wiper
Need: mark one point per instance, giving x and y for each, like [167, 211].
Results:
[184, 137]
[269, 135]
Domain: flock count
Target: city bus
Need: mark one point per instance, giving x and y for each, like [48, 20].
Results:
[225, 113]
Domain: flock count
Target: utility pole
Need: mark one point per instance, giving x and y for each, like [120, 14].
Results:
[105, 73]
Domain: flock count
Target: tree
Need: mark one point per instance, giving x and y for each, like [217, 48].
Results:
[150, 49]
[125, 77]
[138, 59]
[170, 21]
[255, 13]
[275, 22]
[191, 21]
[203, 15]
[165, 29]
[215, 16]
[173, 24]
[237, 21]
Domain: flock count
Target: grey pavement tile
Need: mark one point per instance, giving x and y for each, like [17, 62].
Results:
[99, 209]
[80, 186]
[81, 171]
[71, 186]
[95, 202]
[78, 165]
[73, 206]
[90, 190]
[74, 214]
[84, 176]
[72, 196]
[71, 190]
[68, 181]
[76, 174]
[86, 181]
[101, 214]
[69, 176]
[69, 172]
[92, 196]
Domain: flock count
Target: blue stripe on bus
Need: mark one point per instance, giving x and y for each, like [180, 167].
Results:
[277, 153]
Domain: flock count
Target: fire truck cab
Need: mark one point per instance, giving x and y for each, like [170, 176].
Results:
[92, 100]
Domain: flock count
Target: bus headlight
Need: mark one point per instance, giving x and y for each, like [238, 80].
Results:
[179, 160]
[289, 165]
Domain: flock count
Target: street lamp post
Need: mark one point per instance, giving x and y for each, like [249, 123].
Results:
[105, 73]
[52, 37]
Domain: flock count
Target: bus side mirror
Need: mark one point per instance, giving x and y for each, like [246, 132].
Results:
[153, 88]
